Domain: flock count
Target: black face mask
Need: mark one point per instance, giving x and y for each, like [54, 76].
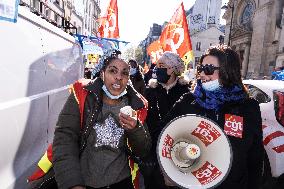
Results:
[162, 75]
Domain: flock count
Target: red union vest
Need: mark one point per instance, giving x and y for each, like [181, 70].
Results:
[45, 163]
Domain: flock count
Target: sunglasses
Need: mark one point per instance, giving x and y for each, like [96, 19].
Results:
[208, 69]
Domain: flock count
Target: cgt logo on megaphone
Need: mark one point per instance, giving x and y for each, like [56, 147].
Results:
[207, 173]
[206, 133]
[167, 146]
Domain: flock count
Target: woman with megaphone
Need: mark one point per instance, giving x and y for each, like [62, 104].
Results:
[221, 96]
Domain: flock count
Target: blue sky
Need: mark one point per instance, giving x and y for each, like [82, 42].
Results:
[137, 16]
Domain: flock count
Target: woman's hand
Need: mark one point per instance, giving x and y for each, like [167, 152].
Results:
[127, 122]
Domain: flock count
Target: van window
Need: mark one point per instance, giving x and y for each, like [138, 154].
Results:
[257, 94]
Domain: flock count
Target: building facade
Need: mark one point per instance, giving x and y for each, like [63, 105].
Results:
[91, 14]
[255, 30]
[153, 35]
[203, 15]
[204, 26]
[202, 40]
[77, 15]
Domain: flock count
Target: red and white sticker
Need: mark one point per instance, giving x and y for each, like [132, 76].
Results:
[207, 173]
[167, 146]
[206, 133]
[234, 125]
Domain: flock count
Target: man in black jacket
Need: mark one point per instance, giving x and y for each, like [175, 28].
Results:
[161, 94]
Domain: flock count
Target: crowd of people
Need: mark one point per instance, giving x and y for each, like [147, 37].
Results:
[114, 138]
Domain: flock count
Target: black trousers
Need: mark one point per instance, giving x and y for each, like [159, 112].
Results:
[153, 177]
[124, 184]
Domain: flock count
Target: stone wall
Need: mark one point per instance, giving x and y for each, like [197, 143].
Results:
[264, 37]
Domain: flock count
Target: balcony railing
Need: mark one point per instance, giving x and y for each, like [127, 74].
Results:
[39, 8]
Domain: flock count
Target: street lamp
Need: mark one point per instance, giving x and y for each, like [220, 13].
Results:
[226, 7]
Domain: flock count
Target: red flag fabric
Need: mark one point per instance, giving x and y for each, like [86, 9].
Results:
[108, 24]
[175, 36]
[155, 51]
[146, 68]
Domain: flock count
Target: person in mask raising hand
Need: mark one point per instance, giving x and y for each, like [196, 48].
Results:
[136, 77]
[221, 96]
[161, 94]
[102, 160]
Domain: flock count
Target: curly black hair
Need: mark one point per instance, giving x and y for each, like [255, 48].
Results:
[114, 55]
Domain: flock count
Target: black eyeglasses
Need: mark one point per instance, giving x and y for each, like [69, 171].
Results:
[207, 68]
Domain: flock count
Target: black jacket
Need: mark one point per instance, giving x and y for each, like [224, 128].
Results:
[68, 172]
[138, 83]
[248, 151]
[160, 101]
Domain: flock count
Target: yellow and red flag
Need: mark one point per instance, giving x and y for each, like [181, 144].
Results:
[108, 24]
[155, 51]
[175, 36]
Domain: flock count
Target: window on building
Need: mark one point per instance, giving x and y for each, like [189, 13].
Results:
[47, 13]
[241, 53]
[35, 4]
[95, 12]
[272, 63]
[246, 17]
[56, 18]
[79, 30]
[210, 44]
[197, 59]
[198, 45]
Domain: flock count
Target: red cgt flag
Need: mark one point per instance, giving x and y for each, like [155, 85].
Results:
[175, 36]
[108, 25]
[155, 51]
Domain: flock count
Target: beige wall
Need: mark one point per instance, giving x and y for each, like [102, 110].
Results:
[264, 38]
[206, 37]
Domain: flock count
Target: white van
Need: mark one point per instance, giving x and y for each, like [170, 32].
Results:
[37, 63]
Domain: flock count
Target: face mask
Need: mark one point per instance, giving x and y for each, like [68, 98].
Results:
[211, 85]
[112, 96]
[162, 75]
[132, 71]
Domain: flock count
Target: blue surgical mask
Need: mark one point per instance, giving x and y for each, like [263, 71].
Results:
[112, 96]
[132, 71]
[211, 85]
[162, 75]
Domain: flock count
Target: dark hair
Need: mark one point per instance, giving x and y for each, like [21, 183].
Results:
[152, 66]
[138, 76]
[133, 61]
[229, 63]
[113, 56]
